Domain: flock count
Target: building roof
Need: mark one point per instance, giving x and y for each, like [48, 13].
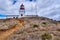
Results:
[22, 7]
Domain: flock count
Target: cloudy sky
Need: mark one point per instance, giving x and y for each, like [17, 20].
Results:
[45, 8]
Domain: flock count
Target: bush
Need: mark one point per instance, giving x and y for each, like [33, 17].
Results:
[46, 36]
[58, 29]
[44, 23]
[35, 25]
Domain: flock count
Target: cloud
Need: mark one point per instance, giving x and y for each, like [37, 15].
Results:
[46, 8]
[49, 8]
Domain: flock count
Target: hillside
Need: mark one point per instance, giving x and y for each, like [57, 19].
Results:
[29, 28]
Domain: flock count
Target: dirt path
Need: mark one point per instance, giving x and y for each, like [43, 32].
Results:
[7, 33]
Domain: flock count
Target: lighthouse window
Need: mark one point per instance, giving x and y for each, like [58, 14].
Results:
[21, 14]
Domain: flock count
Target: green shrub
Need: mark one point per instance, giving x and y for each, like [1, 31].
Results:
[58, 29]
[44, 23]
[35, 25]
[46, 36]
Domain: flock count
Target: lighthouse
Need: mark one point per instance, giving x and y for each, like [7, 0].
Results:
[22, 11]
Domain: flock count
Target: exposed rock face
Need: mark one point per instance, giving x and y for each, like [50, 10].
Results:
[29, 32]
[7, 24]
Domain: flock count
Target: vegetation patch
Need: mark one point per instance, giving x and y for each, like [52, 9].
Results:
[58, 29]
[46, 36]
[35, 25]
[44, 23]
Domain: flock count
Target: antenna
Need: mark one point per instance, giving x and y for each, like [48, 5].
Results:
[35, 7]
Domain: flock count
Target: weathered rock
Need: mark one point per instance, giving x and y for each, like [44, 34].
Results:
[28, 32]
[7, 24]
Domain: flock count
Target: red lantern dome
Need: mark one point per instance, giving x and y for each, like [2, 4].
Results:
[22, 7]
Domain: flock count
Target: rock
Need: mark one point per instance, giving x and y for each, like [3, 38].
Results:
[28, 32]
[7, 24]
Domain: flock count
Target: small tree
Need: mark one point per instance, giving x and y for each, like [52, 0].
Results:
[44, 23]
[46, 36]
[58, 29]
[35, 25]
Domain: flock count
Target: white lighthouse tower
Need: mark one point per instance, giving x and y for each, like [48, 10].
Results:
[22, 11]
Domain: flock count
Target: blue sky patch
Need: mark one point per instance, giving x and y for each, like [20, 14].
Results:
[2, 15]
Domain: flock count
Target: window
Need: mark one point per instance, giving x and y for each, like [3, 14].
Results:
[21, 14]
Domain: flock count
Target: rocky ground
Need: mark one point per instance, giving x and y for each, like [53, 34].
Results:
[29, 28]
